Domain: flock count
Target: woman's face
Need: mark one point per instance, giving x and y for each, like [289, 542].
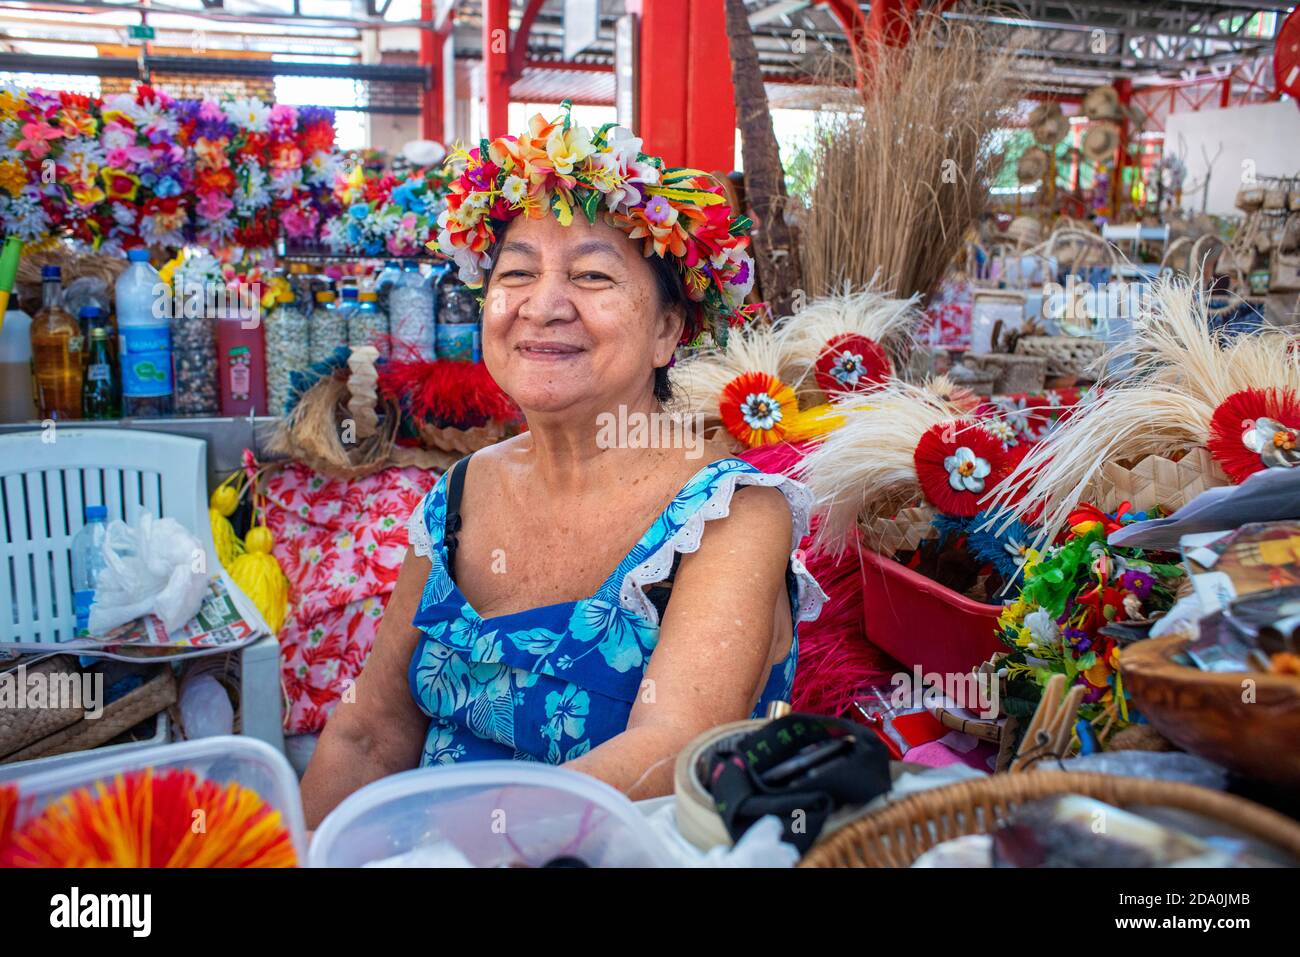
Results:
[572, 317]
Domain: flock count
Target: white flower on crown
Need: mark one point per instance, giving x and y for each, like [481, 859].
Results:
[739, 260]
[117, 137]
[618, 166]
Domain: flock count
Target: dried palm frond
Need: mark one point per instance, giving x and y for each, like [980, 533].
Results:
[866, 470]
[903, 173]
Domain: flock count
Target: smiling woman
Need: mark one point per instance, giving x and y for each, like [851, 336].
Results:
[566, 598]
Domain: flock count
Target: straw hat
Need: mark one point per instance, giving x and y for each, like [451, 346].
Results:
[1032, 165]
[1048, 123]
[1100, 143]
[1025, 231]
[1102, 103]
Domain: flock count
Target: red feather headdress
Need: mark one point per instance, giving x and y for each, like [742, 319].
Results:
[1255, 429]
[851, 363]
[957, 463]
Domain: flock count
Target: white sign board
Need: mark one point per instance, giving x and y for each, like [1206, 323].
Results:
[581, 25]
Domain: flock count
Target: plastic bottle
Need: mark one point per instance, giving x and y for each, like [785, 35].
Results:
[410, 313]
[56, 353]
[146, 348]
[87, 562]
[368, 326]
[458, 332]
[100, 393]
[389, 277]
[347, 305]
[287, 348]
[241, 364]
[205, 707]
[17, 387]
[328, 332]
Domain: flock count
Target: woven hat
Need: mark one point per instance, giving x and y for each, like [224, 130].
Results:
[1032, 165]
[1048, 124]
[1101, 141]
[1025, 231]
[1102, 103]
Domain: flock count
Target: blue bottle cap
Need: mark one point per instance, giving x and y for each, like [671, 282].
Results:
[90, 312]
[138, 255]
[51, 272]
[349, 292]
[96, 513]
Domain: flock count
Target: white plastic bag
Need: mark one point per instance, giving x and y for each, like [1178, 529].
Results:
[156, 567]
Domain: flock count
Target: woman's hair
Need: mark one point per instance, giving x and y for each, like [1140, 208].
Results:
[671, 292]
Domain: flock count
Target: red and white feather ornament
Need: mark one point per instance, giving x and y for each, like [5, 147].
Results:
[957, 463]
[852, 363]
[1255, 429]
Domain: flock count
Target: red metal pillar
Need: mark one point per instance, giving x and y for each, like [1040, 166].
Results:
[686, 102]
[431, 44]
[496, 67]
[889, 22]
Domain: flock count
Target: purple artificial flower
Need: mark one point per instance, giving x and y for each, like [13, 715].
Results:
[1093, 695]
[742, 274]
[1139, 583]
[1078, 639]
[658, 210]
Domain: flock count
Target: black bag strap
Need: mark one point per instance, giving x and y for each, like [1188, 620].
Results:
[452, 521]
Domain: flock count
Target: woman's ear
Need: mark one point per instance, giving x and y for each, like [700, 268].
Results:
[674, 323]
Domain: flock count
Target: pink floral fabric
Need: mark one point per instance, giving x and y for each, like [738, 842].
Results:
[341, 544]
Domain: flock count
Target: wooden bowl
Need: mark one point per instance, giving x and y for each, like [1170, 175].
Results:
[1204, 712]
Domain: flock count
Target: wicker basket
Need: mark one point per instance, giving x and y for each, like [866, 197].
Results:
[1066, 355]
[463, 441]
[899, 833]
[904, 532]
[1156, 480]
[1015, 373]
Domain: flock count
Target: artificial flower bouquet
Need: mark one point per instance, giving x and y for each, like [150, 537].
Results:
[1063, 621]
[141, 168]
[383, 214]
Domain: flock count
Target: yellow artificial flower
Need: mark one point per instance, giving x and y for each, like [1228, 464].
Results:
[88, 195]
[10, 104]
[567, 148]
[13, 176]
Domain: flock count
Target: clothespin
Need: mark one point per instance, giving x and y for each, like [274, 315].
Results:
[1052, 727]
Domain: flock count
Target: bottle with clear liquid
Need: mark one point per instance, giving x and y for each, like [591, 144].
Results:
[17, 387]
[56, 352]
[410, 312]
[87, 562]
[100, 395]
[145, 354]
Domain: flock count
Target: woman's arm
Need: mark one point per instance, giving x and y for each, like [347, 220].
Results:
[377, 730]
[729, 600]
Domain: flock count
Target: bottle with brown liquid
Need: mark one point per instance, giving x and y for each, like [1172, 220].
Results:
[57, 362]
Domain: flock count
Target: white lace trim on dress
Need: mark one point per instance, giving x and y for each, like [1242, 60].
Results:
[417, 533]
[654, 569]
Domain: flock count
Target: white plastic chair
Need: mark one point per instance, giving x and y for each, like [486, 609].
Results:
[48, 477]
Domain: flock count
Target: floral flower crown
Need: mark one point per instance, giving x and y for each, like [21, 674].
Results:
[558, 167]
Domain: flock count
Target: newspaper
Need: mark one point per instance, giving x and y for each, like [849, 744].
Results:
[226, 620]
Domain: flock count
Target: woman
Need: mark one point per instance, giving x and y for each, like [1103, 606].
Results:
[568, 598]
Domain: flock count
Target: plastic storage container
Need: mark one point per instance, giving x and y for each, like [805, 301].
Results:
[920, 622]
[495, 813]
[17, 391]
[228, 758]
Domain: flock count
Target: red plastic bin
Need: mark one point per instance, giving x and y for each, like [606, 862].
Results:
[920, 622]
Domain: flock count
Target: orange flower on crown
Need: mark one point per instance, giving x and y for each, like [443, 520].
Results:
[75, 122]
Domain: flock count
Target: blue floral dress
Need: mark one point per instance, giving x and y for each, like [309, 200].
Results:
[551, 683]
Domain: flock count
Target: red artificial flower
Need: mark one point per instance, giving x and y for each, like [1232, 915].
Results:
[1255, 429]
[852, 363]
[317, 137]
[957, 464]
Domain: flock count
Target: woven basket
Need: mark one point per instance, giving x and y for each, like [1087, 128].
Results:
[899, 833]
[19, 727]
[156, 694]
[904, 532]
[463, 441]
[1015, 373]
[1156, 480]
[1065, 355]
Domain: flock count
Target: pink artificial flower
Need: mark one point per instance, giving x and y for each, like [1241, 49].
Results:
[284, 115]
[300, 223]
[214, 205]
[36, 137]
